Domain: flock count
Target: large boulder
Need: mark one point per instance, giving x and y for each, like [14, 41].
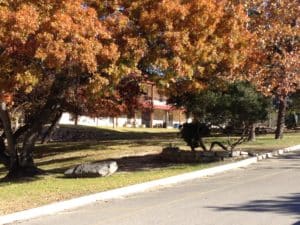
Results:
[101, 169]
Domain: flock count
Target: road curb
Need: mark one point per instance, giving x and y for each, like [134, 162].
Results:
[278, 152]
[133, 189]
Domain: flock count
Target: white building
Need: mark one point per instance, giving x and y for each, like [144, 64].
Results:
[155, 112]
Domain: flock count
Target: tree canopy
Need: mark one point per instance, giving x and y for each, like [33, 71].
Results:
[58, 55]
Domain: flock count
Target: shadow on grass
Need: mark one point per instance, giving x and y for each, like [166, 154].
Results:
[8, 181]
[128, 164]
[66, 147]
[282, 205]
[60, 148]
[80, 133]
[4, 172]
[63, 160]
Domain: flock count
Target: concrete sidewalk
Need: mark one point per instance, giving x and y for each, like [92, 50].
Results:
[126, 191]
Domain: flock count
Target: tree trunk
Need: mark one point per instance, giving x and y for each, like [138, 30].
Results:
[11, 145]
[44, 116]
[281, 117]
[50, 130]
[115, 122]
[131, 120]
[213, 144]
[202, 145]
[76, 119]
[193, 148]
[4, 158]
[151, 125]
[251, 133]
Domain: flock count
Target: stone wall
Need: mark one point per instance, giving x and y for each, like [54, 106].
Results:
[172, 154]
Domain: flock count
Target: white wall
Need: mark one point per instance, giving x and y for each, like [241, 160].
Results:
[102, 121]
[106, 121]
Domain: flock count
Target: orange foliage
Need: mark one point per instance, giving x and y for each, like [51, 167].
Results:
[98, 42]
[274, 65]
[59, 37]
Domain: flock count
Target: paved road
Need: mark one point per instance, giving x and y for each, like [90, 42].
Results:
[267, 193]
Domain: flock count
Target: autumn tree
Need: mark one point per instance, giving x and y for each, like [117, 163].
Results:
[274, 66]
[63, 42]
[69, 47]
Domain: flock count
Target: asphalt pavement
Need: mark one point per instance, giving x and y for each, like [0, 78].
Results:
[266, 193]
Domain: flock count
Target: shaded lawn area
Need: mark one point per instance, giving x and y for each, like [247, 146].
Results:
[137, 160]
[83, 133]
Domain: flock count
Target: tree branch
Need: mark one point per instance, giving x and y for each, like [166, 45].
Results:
[202, 145]
[22, 130]
[217, 143]
[241, 140]
[51, 127]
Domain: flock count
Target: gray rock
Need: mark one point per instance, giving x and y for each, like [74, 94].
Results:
[101, 169]
[236, 153]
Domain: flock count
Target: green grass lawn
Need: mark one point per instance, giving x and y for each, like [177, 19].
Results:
[136, 158]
